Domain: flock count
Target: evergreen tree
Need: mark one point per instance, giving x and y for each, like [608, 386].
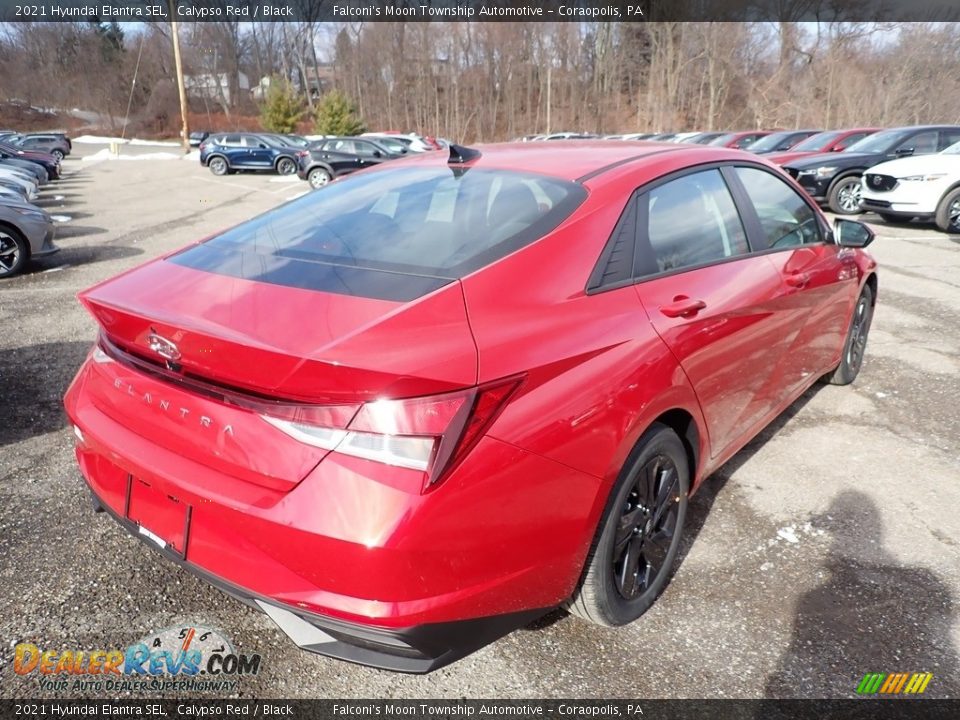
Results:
[282, 108]
[337, 115]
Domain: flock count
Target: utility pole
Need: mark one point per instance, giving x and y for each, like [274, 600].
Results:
[549, 94]
[185, 131]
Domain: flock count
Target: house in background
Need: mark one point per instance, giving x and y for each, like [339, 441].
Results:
[319, 80]
[215, 87]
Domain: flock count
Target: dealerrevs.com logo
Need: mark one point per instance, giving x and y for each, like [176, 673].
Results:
[180, 659]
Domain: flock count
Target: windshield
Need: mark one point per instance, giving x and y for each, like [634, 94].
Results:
[356, 236]
[879, 142]
[770, 142]
[816, 143]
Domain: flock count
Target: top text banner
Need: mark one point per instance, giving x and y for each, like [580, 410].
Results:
[476, 10]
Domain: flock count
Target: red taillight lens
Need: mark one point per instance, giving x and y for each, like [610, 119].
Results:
[428, 434]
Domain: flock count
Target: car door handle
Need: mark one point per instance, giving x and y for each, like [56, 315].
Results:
[682, 306]
[797, 279]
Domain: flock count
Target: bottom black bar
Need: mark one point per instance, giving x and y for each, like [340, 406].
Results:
[855, 709]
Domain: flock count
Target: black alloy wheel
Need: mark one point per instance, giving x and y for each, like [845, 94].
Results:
[647, 527]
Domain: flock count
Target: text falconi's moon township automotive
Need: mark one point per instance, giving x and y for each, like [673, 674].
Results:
[483, 12]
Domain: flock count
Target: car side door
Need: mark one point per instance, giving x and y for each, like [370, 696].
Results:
[259, 153]
[345, 158]
[709, 300]
[819, 279]
[368, 153]
[235, 150]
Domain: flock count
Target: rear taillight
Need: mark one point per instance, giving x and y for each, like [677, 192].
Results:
[427, 434]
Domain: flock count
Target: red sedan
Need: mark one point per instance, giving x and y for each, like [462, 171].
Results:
[415, 409]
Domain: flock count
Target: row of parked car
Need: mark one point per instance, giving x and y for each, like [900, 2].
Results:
[26, 165]
[901, 174]
[316, 160]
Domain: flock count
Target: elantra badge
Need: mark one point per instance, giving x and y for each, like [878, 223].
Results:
[166, 349]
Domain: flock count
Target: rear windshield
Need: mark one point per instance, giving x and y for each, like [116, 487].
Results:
[392, 234]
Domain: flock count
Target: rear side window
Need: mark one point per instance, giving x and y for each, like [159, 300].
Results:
[785, 218]
[693, 221]
[358, 236]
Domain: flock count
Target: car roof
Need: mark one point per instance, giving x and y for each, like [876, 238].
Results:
[574, 160]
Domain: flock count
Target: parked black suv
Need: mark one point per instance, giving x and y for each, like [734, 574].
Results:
[327, 159]
[833, 179]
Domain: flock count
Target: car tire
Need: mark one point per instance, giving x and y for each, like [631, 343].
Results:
[948, 212]
[218, 165]
[856, 342]
[318, 177]
[636, 544]
[842, 195]
[286, 166]
[14, 252]
[58, 154]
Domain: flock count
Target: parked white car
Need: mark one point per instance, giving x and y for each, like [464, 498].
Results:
[923, 186]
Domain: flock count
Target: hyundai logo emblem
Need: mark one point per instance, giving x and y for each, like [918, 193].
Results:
[166, 349]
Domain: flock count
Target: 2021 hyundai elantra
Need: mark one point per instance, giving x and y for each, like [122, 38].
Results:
[416, 409]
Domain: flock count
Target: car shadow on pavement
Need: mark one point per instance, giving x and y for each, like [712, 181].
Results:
[711, 487]
[34, 379]
[871, 614]
[68, 231]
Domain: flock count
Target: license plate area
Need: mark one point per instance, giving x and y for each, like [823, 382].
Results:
[159, 517]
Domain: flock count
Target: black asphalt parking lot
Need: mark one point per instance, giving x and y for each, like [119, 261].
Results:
[829, 547]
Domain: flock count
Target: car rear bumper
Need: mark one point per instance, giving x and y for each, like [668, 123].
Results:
[416, 649]
[414, 580]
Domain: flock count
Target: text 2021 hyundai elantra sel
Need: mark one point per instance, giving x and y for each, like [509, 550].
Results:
[412, 411]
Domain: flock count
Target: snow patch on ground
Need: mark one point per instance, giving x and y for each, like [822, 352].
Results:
[286, 179]
[105, 154]
[788, 534]
[192, 155]
[61, 218]
[103, 140]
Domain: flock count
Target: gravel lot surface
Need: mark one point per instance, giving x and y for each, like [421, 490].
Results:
[825, 549]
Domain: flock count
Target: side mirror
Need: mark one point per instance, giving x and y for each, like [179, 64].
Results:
[263, 146]
[377, 153]
[903, 152]
[852, 233]
[837, 149]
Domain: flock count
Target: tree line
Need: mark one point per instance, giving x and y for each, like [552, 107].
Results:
[494, 81]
